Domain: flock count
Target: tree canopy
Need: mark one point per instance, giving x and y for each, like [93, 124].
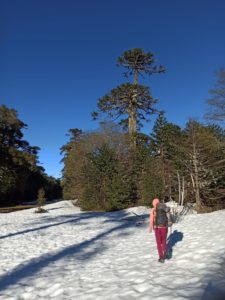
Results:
[20, 173]
[217, 101]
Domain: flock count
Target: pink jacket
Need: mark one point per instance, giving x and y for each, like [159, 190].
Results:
[152, 213]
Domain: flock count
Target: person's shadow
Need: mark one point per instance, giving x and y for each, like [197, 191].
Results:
[213, 292]
[173, 238]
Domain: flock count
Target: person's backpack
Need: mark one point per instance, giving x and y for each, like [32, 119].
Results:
[161, 215]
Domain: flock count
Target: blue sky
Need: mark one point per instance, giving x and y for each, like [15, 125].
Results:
[58, 57]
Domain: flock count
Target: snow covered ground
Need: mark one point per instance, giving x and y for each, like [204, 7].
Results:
[68, 254]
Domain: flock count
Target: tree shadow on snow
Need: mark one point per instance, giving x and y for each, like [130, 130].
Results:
[213, 292]
[138, 220]
[55, 208]
[78, 251]
[58, 220]
[215, 288]
[172, 240]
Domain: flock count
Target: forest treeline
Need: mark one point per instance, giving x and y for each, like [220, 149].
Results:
[104, 172]
[21, 176]
[119, 166]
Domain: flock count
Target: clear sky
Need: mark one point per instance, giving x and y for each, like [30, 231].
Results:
[57, 57]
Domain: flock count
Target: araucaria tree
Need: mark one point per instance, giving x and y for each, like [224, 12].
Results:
[137, 62]
[132, 101]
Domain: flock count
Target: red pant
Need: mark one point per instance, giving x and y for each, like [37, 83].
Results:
[160, 236]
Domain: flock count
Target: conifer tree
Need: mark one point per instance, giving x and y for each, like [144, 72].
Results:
[104, 187]
[132, 100]
[137, 62]
[20, 174]
[163, 146]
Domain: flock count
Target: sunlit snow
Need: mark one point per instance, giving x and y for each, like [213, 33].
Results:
[69, 254]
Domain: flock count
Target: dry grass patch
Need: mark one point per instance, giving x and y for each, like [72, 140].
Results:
[16, 208]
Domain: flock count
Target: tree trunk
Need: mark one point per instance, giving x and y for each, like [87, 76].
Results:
[179, 188]
[182, 192]
[196, 178]
[132, 122]
[163, 172]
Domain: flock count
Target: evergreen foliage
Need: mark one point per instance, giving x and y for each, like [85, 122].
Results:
[104, 187]
[93, 169]
[137, 62]
[131, 100]
[20, 174]
[108, 174]
[163, 147]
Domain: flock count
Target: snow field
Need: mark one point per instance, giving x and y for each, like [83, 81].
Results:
[69, 254]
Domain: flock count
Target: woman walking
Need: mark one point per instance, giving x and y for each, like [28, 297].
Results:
[160, 219]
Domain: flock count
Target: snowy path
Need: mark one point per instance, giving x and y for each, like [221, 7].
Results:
[68, 254]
